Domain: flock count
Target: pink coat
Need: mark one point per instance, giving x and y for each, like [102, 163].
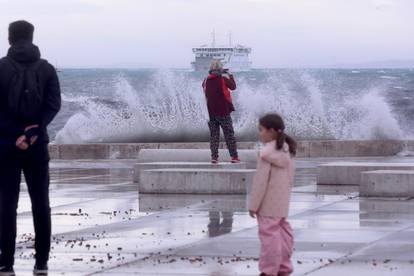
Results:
[272, 184]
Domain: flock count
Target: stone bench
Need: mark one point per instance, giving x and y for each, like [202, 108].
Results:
[195, 181]
[349, 173]
[387, 183]
[193, 155]
[183, 165]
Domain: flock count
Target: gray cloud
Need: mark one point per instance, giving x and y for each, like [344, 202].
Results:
[160, 33]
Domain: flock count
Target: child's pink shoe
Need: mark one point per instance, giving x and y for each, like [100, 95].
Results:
[214, 161]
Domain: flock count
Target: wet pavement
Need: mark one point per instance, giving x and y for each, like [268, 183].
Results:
[102, 227]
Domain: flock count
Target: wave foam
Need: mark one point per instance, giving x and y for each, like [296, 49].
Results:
[173, 109]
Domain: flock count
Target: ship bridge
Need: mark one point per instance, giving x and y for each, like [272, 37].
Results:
[234, 57]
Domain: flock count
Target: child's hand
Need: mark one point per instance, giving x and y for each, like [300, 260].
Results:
[252, 213]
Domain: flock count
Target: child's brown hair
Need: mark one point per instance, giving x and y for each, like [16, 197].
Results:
[275, 121]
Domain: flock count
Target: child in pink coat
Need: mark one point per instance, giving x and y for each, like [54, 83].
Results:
[270, 196]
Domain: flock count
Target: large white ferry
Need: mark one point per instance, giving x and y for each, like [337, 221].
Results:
[233, 57]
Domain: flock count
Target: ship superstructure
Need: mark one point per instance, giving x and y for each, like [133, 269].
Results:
[233, 57]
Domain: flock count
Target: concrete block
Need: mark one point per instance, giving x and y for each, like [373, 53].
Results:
[195, 181]
[139, 167]
[240, 145]
[54, 151]
[303, 149]
[211, 203]
[339, 148]
[193, 155]
[129, 151]
[374, 209]
[204, 145]
[349, 173]
[387, 183]
[193, 145]
[313, 148]
[84, 151]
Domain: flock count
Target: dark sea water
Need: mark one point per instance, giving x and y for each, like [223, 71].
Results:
[168, 105]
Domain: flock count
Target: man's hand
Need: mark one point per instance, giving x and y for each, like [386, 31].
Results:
[21, 143]
[33, 139]
[252, 213]
[30, 127]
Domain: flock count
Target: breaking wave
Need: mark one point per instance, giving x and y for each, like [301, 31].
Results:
[171, 108]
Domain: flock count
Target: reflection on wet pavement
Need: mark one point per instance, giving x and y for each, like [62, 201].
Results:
[102, 226]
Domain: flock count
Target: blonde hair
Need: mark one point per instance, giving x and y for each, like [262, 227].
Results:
[216, 65]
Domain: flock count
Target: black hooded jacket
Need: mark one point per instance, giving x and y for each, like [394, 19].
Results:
[10, 127]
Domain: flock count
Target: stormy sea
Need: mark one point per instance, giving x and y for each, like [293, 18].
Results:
[168, 105]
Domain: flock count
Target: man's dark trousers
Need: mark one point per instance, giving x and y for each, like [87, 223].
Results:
[34, 163]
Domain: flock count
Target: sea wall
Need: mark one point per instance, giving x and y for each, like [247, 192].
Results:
[311, 148]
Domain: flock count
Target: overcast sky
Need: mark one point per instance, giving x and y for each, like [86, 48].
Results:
[161, 33]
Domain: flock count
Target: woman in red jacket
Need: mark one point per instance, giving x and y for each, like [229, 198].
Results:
[217, 88]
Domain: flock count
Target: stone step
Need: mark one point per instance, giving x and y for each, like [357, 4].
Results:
[349, 173]
[193, 155]
[387, 183]
[195, 181]
[139, 167]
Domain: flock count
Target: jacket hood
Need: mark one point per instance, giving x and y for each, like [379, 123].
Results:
[24, 52]
[270, 154]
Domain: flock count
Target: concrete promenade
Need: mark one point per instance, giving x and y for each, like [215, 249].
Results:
[101, 227]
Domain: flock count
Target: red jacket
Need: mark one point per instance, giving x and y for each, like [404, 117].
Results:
[216, 89]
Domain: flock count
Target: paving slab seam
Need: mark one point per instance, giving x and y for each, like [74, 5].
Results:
[75, 203]
[67, 190]
[78, 178]
[160, 253]
[116, 226]
[56, 235]
[192, 244]
[63, 170]
[74, 178]
[165, 213]
[344, 257]
[293, 216]
[59, 206]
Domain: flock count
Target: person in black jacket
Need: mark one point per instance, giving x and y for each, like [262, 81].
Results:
[24, 147]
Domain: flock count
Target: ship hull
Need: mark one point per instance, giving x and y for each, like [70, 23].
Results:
[204, 65]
